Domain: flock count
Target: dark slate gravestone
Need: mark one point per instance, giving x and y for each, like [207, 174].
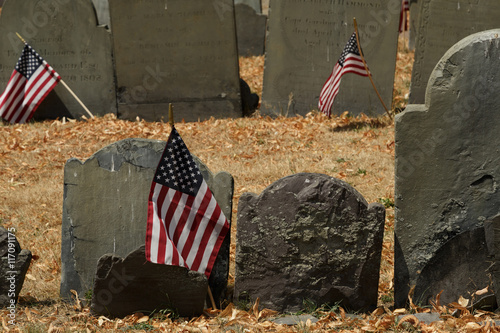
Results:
[66, 35]
[105, 210]
[127, 285]
[442, 23]
[14, 264]
[308, 238]
[175, 51]
[304, 42]
[250, 29]
[447, 160]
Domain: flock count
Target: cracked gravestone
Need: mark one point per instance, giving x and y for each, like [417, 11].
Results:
[447, 157]
[105, 210]
[308, 238]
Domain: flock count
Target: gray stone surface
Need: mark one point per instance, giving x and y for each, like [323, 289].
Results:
[105, 210]
[442, 23]
[102, 11]
[254, 4]
[180, 52]
[308, 237]
[295, 319]
[424, 318]
[304, 42]
[124, 286]
[14, 264]
[447, 157]
[414, 18]
[66, 35]
[250, 30]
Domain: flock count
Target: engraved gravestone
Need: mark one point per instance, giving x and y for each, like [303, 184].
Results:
[304, 42]
[446, 185]
[442, 23]
[308, 237]
[105, 210]
[66, 35]
[176, 51]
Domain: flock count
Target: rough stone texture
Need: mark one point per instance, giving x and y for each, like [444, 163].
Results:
[442, 23]
[14, 264]
[250, 29]
[105, 210]
[127, 285]
[102, 11]
[185, 54]
[308, 237]
[447, 157]
[304, 42]
[414, 16]
[66, 35]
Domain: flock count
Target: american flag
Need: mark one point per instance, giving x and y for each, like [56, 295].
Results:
[350, 62]
[31, 81]
[403, 18]
[185, 225]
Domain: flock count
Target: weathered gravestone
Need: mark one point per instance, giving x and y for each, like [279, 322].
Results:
[254, 4]
[414, 16]
[181, 52]
[442, 23]
[105, 210]
[308, 238]
[14, 264]
[447, 157]
[66, 35]
[102, 11]
[304, 42]
[128, 285]
[250, 29]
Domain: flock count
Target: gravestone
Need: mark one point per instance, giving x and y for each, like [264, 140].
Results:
[14, 263]
[308, 238]
[102, 11]
[447, 164]
[176, 51]
[250, 29]
[254, 4]
[66, 35]
[414, 16]
[105, 210]
[124, 286]
[304, 42]
[443, 23]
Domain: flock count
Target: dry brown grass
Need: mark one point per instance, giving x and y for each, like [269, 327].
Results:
[257, 151]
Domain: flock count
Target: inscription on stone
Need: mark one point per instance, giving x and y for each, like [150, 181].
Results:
[181, 52]
[305, 40]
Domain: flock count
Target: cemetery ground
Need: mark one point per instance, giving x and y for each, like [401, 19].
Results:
[257, 151]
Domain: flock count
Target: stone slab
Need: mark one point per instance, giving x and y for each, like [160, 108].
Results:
[442, 23]
[254, 4]
[180, 52]
[304, 42]
[124, 286]
[250, 30]
[102, 12]
[447, 157]
[308, 237]
[66, 35]
[105, 210]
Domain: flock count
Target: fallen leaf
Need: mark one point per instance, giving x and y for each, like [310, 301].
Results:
[482, 291]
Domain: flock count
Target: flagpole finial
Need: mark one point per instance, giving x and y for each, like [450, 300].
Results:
[171, 114]
[21, 38]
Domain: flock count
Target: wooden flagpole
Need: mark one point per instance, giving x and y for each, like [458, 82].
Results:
[366, 68]
[66, 86]
[171, 122]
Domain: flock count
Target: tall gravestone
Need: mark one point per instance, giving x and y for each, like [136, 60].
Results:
[304, 42]
[66, 35]
[176, 51]
[442, 23]
[105, 210]
[308, 238]
[447, 175]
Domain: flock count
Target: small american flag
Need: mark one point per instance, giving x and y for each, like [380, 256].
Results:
[185, 225]
[31, 81]
[350, 62]
[403, 18]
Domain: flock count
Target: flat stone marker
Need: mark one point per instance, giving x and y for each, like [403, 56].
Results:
[66, 35]
[442, 23]
[308, 238]
[447, 163]
[304, 42]
[175, 51]
[250, 29]
[105, 210]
